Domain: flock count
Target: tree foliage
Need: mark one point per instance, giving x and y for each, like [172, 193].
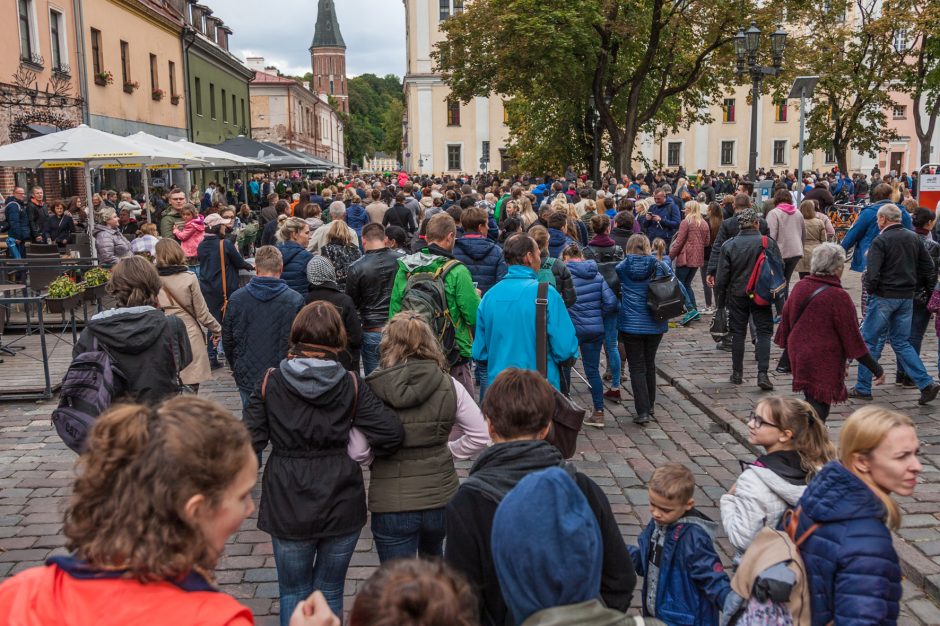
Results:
[921, 77]
[374, 102]
[646, 63]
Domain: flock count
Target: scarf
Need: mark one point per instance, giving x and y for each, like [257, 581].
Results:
[170, 270]
[503, 465]
[602, 241]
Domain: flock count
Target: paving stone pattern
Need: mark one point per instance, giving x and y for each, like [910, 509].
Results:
[699, 423]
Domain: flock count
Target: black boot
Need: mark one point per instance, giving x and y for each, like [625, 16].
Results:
[763, 381]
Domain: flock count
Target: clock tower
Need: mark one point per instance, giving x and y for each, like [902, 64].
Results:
[328, 56]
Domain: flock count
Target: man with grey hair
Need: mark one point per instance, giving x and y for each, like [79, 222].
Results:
[735, 264]
[898, 266]
[319, 238]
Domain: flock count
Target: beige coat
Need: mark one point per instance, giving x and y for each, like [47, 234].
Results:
[185, 289]
[814, 233]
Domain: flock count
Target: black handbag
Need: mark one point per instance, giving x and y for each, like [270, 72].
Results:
[719, 326]
[568, 417]
[664, 296]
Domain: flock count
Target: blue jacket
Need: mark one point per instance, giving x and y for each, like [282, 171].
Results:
[483, 258]
[692, 584]
[505, 330]
[864, 231]
[357, 217]
[667, 227]
[296, 258]
[596, 300]
[256, 328]
[18, 220]
[557, 242]
[854, 576]
[635, 273]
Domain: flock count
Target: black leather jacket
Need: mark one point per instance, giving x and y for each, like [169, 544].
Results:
[369, 282]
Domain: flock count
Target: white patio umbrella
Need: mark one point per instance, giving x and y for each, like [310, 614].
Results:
[222, 159]
[86, 148]
[185, 158]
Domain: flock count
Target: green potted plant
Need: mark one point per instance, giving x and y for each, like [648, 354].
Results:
[94, 283]
[63, 295]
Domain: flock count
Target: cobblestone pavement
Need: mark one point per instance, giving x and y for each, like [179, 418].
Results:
[698, 424]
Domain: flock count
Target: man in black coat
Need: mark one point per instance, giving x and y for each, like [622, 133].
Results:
[260, 317]
[517, 408]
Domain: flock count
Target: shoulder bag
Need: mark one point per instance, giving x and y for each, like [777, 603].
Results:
[224, 287]
[568, 417]
[664, 295]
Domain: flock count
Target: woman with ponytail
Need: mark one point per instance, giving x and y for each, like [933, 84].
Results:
[146, 556]
[797, 446]
[148, 347]
[854, 574]
[313, 500]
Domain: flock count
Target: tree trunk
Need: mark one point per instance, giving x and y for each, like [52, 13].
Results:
[627, 146]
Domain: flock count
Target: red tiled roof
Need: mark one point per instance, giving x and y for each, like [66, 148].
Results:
[265, 78]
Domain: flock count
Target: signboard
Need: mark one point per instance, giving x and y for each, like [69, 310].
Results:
[158, 182]
[928, 186]
[58, 164]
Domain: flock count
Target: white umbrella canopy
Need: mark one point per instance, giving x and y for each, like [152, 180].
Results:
[219, 158]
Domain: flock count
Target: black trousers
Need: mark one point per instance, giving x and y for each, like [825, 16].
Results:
[822, 409]
[641, 359]
[740, 310]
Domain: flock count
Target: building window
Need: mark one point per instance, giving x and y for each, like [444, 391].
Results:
[212, 100]
[244, 119]
[331, 87]
[900, 40]
[727, 153]
[454, 158]
[505, 114]
[125, 62]
[56, 27]
[453, 112]
[197, 87]
[727, 110]
[673, 153]
[224, 108]
[172, 73]
[154, 80]
[830, 155]
[780, 152]
[234, 114]
[27, 35]
[900, 112]
[450, 7]
[484, 154]
[780, 111]
[96, 50]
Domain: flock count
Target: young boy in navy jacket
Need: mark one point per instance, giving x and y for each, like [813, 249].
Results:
[684, 581]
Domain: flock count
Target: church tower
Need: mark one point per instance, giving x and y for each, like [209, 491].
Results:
[328, 56]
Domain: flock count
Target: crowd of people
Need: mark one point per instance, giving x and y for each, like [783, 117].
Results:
[399, 324]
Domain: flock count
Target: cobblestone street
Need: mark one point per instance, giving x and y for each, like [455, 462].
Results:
[700, 423]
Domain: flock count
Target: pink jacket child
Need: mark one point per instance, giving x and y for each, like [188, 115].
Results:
[190, 235]
[934, 307]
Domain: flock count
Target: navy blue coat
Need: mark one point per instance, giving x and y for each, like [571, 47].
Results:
[557, 242]
[356, 217]
[483, 258]
[692, 584]
[854, 576]
[667, 226]
[635, 273]
[256, 328]
[18, 220]
[210, 272]
[596, 300]
[296, 258]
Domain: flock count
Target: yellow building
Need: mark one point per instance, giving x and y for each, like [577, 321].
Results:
[440, 136]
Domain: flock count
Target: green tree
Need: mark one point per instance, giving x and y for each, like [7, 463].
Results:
[373, 100]
[921, 78]
[645, 63]
[854, 51]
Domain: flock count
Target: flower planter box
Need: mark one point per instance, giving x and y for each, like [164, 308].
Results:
[101, 81]
[93, 293]
[129, 88]
[62, 305]
[175, 99]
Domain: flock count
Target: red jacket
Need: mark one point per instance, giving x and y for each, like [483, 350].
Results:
[50, 596]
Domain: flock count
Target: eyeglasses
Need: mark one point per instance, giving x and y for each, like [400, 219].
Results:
[760, 422]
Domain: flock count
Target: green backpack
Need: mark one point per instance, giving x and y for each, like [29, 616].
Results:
[424, 294]
[546, 275]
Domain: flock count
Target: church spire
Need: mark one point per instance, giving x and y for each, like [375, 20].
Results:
[327, 33]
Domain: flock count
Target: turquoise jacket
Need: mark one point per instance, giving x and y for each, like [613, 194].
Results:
[505, 334]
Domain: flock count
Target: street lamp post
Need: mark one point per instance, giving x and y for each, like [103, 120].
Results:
[746, 46]
[596, 158]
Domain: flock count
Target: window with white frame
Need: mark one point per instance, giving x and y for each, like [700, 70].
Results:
[727, 152]
[830, 155]
[454, 158]
[673, 154]
[29, 41]
[900, 40]
[57, 41]
[899, 112]
[780, 152]
[450, 7]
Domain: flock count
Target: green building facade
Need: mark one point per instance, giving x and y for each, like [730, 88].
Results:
[219, 106]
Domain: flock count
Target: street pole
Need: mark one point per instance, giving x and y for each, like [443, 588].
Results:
[799, 165]
[596, 162]
[755, 101]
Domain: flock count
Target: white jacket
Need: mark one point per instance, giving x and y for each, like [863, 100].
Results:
[760, 499]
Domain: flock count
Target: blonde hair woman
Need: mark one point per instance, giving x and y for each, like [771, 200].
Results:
[853, 569]
[688, 251]
[293, 235]
[341, 249]
[420, 478]
[527, 214]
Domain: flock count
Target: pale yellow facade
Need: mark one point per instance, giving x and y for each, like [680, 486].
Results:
[434, 141]
[120, 37]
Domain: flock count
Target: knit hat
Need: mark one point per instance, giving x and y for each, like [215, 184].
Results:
[320, 270]
[748, 217]
[546, 545]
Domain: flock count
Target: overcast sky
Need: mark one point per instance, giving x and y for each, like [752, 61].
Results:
[281, 32]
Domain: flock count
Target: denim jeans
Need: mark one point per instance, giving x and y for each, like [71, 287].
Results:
[591, 357]
[612, 348]
[370, 351]
[891, 316]
[480, 377]
[307, 566]
[407, 534]
[685, 276]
